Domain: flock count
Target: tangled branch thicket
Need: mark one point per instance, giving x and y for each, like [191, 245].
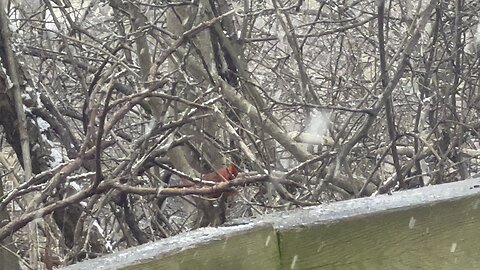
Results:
[129, 101]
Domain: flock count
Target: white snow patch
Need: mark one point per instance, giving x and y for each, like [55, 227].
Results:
[268, 241]
[477, 35]
[9, 82]
[75, 186]
[411, 223]
[319, 122]
[294, 261]
[453, 247]
[42, 124]
[35, 147]
[108, 245]
[79, 176]
[57, 157]
[99, 228]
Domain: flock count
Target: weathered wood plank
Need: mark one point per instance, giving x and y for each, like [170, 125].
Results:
[436, 227]
[239, 247]
[441, 236]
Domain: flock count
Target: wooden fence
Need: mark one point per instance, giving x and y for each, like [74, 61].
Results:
[436, 227]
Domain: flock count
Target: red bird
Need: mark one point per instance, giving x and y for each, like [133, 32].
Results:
[221, 175]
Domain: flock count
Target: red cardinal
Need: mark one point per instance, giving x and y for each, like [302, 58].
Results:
[221, 175]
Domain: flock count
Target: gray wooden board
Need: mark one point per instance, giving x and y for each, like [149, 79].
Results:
[238, 247]
[436, 225]
[401, 200]
[441, 235]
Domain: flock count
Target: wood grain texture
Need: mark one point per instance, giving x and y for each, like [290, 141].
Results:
[240, 247]
[439, 236]
[436, 227]
[248, 250]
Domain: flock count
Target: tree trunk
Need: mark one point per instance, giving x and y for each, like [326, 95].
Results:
[8, 259]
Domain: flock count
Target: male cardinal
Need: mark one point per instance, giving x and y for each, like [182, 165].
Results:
[221, 175]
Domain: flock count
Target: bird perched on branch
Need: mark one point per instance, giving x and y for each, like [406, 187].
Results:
[224, 174]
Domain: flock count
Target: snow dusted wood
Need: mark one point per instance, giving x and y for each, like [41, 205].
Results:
[238, 247]
[435, 227]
